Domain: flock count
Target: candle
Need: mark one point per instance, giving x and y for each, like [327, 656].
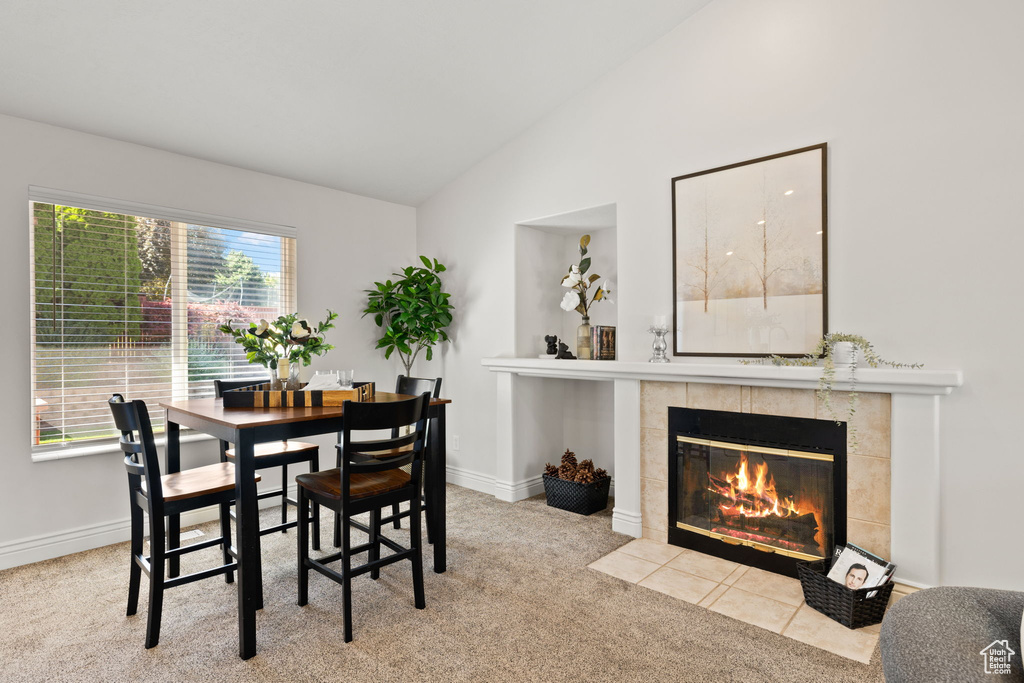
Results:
[282, 368]
[661, 321]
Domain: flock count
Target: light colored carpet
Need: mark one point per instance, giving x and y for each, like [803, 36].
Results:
[516, 604]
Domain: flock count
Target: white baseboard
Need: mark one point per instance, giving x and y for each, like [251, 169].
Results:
[520, 490]
[76, 540]
[628, 523]
[469, 479]
[509, 492]
[79, 539]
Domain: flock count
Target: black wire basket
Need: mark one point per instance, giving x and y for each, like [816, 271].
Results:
[583, 499]
[851, 608]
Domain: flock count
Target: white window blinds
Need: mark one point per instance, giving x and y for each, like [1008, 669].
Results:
[129, 303]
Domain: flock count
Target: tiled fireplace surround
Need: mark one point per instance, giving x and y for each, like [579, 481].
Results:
[868, 478]
[893, 475]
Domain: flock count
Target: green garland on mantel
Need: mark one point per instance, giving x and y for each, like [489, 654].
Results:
[824, 349]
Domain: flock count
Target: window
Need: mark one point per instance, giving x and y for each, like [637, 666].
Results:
[127, 299]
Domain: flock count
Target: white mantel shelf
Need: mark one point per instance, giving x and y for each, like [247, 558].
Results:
[916, 395]
[879, 380]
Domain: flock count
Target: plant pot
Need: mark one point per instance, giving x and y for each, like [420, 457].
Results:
[844, 354]
[583, 499]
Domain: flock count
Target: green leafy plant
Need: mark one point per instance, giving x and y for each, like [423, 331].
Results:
[578, 283]
[413, 311]
[289, 336]
[825, 349]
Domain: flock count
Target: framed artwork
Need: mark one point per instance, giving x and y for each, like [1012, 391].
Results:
[749, 244]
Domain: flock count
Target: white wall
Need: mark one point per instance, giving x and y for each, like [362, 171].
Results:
[345, 242]
[920, 104]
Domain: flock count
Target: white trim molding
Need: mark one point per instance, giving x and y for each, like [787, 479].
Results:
[80, 539]
[873, 380]
[130, 208]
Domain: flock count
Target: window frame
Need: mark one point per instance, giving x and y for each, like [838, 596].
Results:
[179, 219]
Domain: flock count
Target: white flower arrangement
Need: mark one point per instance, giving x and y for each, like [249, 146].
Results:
[576, 299]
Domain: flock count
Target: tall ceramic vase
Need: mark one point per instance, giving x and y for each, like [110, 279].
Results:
[583, 339]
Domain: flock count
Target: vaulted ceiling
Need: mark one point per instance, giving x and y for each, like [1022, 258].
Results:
[385, 98]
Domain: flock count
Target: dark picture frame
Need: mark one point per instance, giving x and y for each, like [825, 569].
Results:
[750, 256]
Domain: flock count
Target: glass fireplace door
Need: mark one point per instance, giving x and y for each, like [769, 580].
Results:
[775, 500]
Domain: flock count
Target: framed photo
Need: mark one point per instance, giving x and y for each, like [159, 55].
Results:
[749, 270]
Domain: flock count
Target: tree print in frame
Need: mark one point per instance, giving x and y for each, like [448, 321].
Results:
[749, 268]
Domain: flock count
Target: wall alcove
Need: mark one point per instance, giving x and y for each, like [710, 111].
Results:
[564, 413]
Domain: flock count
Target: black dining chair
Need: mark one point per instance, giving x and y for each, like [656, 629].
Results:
[275, 454]
[161, 495]
[410, 386]
[414, 386]
[370, 477]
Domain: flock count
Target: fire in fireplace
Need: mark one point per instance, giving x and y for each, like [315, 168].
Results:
[759, 489]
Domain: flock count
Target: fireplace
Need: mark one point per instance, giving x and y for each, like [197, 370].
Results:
[763, 490]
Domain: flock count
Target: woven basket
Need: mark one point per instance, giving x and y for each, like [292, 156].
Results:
[851, 608]
[583, 499]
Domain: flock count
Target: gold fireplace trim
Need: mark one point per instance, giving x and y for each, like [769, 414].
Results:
[806, 455]
[763, 547]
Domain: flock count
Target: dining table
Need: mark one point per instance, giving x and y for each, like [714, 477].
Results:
[246, 427]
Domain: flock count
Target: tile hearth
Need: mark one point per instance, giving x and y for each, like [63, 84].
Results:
[751, 595]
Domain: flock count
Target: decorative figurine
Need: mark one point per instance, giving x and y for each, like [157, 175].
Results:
[552, 342]
[563, 352]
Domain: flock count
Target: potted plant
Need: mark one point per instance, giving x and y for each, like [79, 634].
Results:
[282, 344]
[837, 348]
[576, 298]
[413, 311]
[576, 487]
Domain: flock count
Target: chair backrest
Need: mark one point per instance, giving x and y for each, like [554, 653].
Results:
[377, 455]
[414, 386]
[141, 458]
[222, 385]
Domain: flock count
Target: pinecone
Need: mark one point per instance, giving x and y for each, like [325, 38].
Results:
[600, 474]
[569, 458]
[585, 476]
[550, 470]
[587, 465]
[567, 471]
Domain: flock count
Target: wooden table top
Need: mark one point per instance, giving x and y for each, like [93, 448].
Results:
[213, 409]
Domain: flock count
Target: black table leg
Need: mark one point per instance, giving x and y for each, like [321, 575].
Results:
[437, 494]
[250, 589]
[173, 450]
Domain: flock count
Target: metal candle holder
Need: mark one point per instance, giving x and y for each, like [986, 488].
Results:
[659, 345]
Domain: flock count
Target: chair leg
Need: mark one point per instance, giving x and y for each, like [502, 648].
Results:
[316, 526]
[157, 540]
[225, 532]
[303, 513]
[428, 511]
[374, 553]
[395, 511]
[346, 584]
[135, 571]
[337, 515]
[416, 543]
[313, 467]
[284, 496]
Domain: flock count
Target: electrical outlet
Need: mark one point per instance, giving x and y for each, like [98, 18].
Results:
[455, 442]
